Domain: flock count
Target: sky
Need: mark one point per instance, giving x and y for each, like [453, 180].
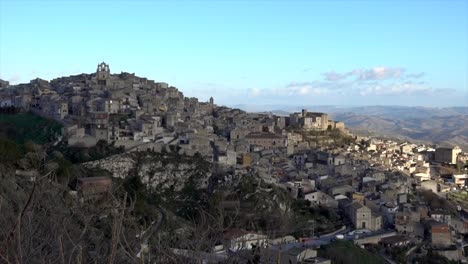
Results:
[251, 52]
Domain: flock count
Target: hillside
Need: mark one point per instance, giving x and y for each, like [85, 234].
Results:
[446, 126]
[22, 127]
[441, 130]
[346, 252]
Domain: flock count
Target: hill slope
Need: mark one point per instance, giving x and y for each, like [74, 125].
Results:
[443, 130]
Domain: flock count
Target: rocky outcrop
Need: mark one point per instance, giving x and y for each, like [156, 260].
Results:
[158, 170]
[119, 166]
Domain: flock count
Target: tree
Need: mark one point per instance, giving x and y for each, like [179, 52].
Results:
[9, 151]
[43, 222]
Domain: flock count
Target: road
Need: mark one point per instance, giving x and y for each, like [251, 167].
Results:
[409, 254]
[153, 229]
[327, 239]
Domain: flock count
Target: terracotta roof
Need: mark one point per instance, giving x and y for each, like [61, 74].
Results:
[440, 229]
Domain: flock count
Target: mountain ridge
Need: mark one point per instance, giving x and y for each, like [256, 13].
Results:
[445, 126]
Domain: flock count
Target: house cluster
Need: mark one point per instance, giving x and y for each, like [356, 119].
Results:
[374, 183]
[236, 245]
[121, 108]
[335, 179]
[135, 112]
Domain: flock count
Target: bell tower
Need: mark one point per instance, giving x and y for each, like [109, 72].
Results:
[103, 73]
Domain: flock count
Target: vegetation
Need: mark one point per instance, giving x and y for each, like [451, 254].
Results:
[433, 258]
[9, 151]
[329, 137]
[339, 138]
[261, 209]
[398, 253]
[436, 202]
[314, 221]
[345, 252]
[22, 127]
[460, 198]
[101, 150]
[185, 202]
[9, 110]
[43, 222]
[105, 230]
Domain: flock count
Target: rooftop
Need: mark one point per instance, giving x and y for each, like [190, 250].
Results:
[263, 135]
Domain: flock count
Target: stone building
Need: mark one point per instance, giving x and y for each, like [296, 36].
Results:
[459, 226]
[447, 155]
[309, 120]
[407, 221]
[4, 84]
[56, 109]
[97, 125]
[93, 187]
[265, 140]
[236, 239]
[319, 198]
[103, 74]
[441, 235]
[293, 138]
[238, 133]
[362, 217]
[291, 255]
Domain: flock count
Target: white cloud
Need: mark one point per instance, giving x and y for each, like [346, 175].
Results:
[396, 89]
[292, 89]
[415, 75]
[356, 88]
[379, 73]
[254, 92]
[304, 89]
[334, 76]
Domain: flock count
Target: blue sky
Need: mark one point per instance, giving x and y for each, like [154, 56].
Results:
[251, 52]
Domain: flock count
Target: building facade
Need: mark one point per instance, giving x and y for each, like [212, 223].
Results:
[447, 155]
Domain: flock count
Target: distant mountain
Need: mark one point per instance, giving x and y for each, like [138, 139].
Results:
[443, 126]
[275, 112]
[384, 111]
[404, 112]
[441, 130]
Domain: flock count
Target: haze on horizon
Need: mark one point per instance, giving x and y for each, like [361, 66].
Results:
[251, 52]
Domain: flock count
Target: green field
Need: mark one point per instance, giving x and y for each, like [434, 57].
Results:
[460, 198]
[23, 127]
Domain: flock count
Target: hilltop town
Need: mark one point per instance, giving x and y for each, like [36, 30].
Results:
[396, 195]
